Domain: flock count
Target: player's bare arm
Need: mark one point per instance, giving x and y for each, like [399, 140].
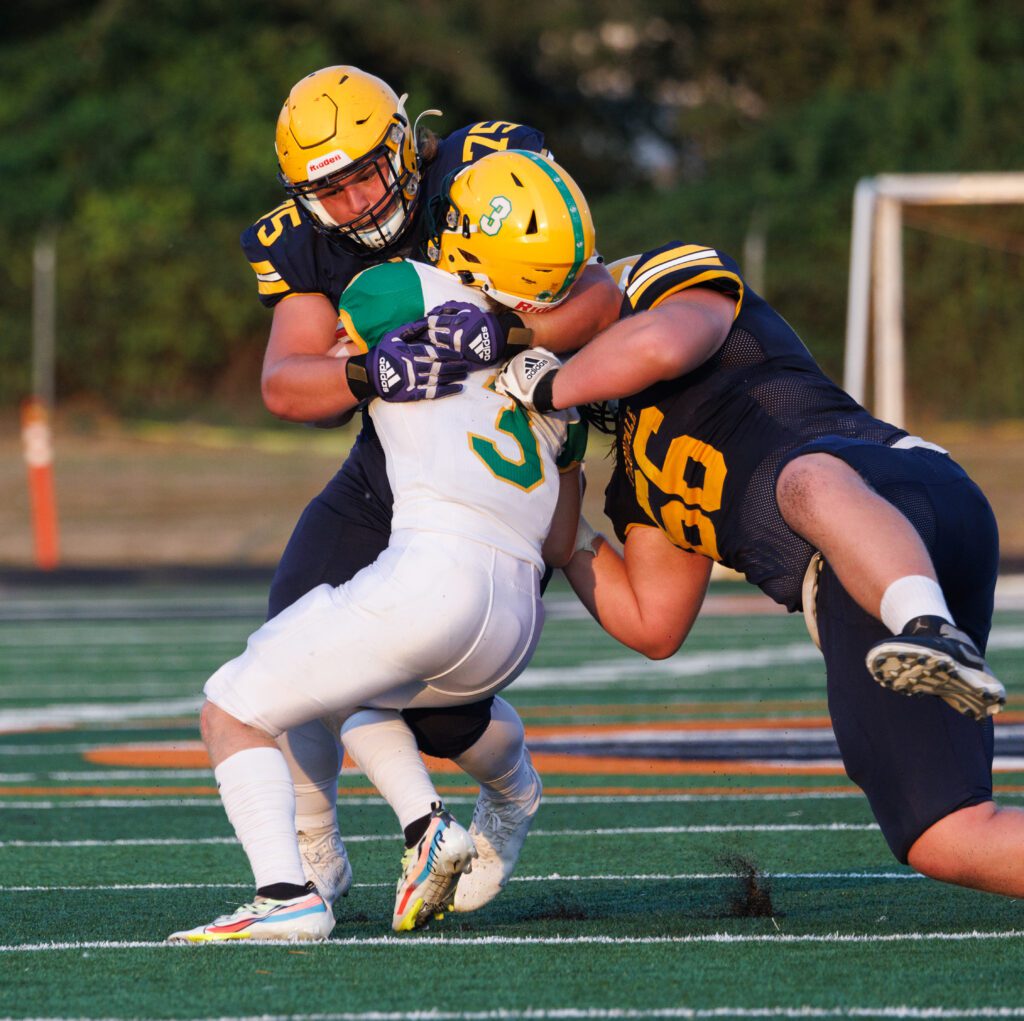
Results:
[647, 598]
[662, 343]
[558, 546]
[592, 306]
[302, 380]
[675, 338]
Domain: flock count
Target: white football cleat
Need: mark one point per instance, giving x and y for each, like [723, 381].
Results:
[325, 863]
[304, 918]
[499, 831]
[431, 871]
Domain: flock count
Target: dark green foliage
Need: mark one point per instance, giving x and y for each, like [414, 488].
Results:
[143, 131]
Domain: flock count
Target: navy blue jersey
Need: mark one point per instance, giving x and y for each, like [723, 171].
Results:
[698, 456]
[289, 256]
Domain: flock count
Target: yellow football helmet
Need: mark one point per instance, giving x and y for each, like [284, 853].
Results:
[338, 125]
[516, 225]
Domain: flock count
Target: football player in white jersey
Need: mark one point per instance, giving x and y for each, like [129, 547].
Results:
[451, 611]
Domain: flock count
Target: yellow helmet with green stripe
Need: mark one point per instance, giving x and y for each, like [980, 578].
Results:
[516, 225]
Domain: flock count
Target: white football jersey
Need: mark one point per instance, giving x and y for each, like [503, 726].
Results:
[474, 464]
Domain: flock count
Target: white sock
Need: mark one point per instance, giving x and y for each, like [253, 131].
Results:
[498, 761]
[260, 802]
[912, 596]
[384, 748]
[313, 755]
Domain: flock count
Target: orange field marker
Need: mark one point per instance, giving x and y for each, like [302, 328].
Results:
[38, 446]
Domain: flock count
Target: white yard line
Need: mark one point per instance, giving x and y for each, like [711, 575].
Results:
[622, 1014]
[651, 877]
[616, 939]
[830, 827]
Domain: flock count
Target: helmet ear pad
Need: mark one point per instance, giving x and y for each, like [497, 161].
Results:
[340, 123]
[517, 226]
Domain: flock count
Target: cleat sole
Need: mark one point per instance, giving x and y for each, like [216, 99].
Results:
[971, 692]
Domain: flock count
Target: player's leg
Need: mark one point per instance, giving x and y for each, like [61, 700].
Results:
[487, 741]
[436, 846]
[312, 752]
[256, 789]
[370, 640]
[837, 496]
[925, 768]
[342, 530]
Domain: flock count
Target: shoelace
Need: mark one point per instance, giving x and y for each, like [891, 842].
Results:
[492, 822]
[251, 909]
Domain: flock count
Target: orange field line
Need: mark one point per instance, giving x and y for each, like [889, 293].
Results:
[569, 729]
[668, 708]
[546, 762]
[581, 791]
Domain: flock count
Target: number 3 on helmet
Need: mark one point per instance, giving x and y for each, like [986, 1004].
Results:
[340, 125]
[515, 225]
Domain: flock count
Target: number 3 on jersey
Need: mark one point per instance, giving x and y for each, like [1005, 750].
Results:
[527, 472]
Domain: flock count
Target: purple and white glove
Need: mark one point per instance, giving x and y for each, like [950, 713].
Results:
[406, 370]
[479, 336]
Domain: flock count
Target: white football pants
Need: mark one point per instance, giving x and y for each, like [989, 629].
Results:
[436, 620]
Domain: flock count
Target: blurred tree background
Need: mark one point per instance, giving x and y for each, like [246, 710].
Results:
[142, 131]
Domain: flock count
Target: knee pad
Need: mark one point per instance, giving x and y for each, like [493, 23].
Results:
[447, 733]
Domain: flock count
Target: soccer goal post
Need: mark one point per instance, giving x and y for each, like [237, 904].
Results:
[875, 298]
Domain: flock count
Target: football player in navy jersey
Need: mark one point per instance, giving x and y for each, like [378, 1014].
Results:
[359, 179]
[733, 446]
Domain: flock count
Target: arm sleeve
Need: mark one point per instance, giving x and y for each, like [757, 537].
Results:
[281, 253]
[575, 448]
[674, 267]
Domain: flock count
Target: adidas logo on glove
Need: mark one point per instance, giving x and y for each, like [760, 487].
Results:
[480, 345]
[388, 376]
[532, 365]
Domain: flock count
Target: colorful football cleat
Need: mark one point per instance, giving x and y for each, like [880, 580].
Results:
[431, 871]
[499, 831]
[299, 919]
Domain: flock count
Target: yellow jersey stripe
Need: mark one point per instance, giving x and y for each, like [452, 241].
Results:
[667, 263]
[703, 278]
[277, 286]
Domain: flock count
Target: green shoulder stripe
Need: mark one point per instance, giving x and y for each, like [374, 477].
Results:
[379, 299]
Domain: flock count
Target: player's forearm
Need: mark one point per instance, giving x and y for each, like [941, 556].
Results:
[558, 546]
[603, 585]
[622, 361]
[653, 346]
[307, 388]
[592, 305]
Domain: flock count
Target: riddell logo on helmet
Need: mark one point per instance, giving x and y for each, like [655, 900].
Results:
[326, 164]
[529, 306]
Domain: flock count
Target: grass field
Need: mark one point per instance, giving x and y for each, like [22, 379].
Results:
[699, 853]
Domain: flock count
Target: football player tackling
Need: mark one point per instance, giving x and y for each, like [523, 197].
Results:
[359, 177]
[733, 446]
[450, 612]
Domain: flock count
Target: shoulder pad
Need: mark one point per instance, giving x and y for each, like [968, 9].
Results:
[665, 271]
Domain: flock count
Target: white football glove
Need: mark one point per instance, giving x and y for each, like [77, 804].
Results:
[528, 379]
